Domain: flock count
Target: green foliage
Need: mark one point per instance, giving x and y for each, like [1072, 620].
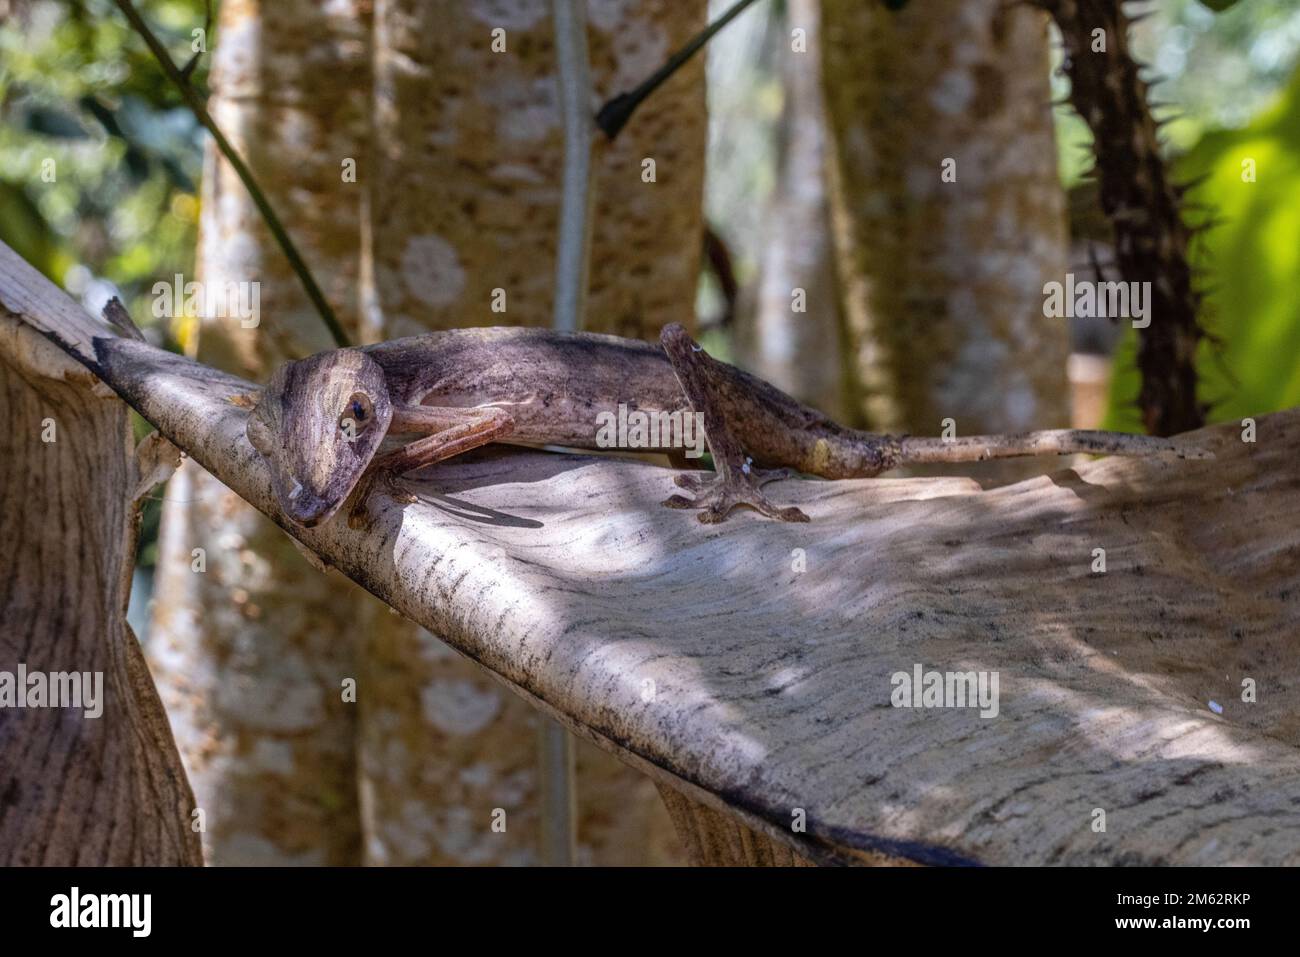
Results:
[1208, 71]
[98, 156]
[1249, 258]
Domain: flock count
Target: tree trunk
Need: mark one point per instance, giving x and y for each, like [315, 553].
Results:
[465, 194]
[464, 200]
[100, 783]
[1142, 203]
[944, 280]
[251, 651]
[790, 332]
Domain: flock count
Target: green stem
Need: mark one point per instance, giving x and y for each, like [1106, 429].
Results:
[195, 103]
[573, 249]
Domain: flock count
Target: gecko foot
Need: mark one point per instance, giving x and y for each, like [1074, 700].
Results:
[381, 479]
[717, 495]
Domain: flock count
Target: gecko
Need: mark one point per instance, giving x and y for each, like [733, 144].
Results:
[320, 422]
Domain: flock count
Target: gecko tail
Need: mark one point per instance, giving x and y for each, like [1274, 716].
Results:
[980, 448]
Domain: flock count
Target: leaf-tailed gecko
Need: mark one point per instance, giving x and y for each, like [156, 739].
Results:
[320, 421]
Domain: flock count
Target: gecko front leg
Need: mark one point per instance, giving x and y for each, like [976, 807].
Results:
[735, 482]
[450, 431]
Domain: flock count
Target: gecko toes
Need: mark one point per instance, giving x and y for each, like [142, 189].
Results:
[717, 498]
[713, 515]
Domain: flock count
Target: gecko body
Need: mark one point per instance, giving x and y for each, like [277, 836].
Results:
[319, 423]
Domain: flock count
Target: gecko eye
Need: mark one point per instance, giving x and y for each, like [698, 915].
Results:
[357, 415]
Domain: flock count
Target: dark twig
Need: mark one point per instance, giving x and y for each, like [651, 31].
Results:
[613, 116]
[718, 258]
[200, 110]
[188, 69]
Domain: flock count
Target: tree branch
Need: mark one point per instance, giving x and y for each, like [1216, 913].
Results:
[683, 653]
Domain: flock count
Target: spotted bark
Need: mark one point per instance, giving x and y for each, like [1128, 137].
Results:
[944, 280]
[465, 193]
[251, 644]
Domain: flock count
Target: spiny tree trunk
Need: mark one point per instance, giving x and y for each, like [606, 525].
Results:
[789, 332]
[76, 787]
[944, 280]
[1141, 202]
[252, 651]
[464, 200]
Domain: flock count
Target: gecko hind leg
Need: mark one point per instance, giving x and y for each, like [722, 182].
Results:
[700, 483]
[735, 483]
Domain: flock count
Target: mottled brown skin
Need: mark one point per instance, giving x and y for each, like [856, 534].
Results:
[320, 421]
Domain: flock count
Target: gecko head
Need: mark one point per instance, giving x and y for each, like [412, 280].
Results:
[318, 424]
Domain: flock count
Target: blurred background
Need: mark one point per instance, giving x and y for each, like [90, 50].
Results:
[803, 151]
